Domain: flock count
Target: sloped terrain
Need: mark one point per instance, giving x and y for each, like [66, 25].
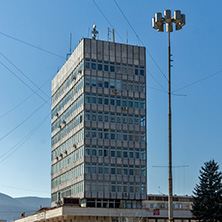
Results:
[11, 208]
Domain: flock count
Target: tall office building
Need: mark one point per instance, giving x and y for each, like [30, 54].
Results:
[99, 126]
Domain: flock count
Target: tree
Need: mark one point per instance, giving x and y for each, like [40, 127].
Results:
[207, 204]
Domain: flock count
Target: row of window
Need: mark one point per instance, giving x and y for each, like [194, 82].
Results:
[69, 143]
[67, 128]
[112, 169]
[107, 187]
[115, 152]
[71, 174]
[114, 67]
[106, 83]
[68, 191]
[165, 206]
[68, 159]
[67, 97]
[120, 101]
[115, 118]
[107, 134]
[67, 82]
[111, 203]
[68, 112]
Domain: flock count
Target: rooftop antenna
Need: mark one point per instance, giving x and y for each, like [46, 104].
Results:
[108, 36]
[126, 37]
[113, 36]
[70, 47]
[94, 32]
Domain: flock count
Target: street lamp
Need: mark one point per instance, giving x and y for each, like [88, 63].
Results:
[158, 23]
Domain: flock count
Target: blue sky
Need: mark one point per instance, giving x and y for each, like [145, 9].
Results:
[196, 49]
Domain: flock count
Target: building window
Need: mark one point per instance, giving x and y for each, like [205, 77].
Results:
[113, 153]
[136, 72]
[100, 67]
[100, 169]
[142, 72]
[106, 170]
[142, 120]
[131, 172]
[142, 104]
[119, 171]
[113, 170]
[106, 83]
[94, 168]
[93, 65]
[112, 68]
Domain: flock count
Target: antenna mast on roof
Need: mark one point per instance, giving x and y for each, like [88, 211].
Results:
[94, 32]
[109, 36]
[70, 47]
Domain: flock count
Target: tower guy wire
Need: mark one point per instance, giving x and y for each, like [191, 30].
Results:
[200, 80]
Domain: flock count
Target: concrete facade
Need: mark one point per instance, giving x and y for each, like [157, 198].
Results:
[77, 214]
[99, 126]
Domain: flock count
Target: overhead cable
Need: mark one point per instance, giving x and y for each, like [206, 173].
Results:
[24, 74]
[22, 141]
[29, 44]
[24, 82]
[140, 39]
[106, 19]
[12, 130]
[15, 107]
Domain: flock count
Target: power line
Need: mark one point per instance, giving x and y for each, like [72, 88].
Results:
[23, 140]
[140, 39]
[106, 18]
[200, 80]
[23, 74]
[15, 107]
[123, 40]
[12, 130]
[23, 82]
[29, 44]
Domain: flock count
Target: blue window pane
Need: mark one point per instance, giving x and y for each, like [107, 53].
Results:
[100, 100]
[106, 84]
[112, 102]
[106, 101]
[142, 72]
[94, 100]
[100, 67]
[106, 68]
[112, 68]
[118, 102]
[88, 99]
[136, 105]
[124, 103]
[130, 103]
[87, 65]
[136, 72]
[93, 66]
